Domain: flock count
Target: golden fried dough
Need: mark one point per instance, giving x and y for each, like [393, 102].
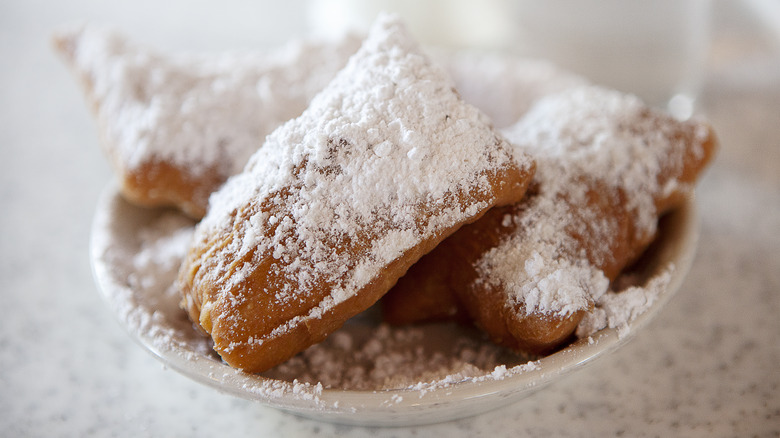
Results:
[176, 127]
[385, 163]
[608, 167]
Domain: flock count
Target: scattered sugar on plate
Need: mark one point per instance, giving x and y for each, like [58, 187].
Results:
[364, 355]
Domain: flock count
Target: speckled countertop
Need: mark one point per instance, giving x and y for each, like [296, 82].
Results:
[708, 365]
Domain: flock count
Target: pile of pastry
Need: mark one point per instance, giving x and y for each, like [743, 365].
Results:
[327, 176]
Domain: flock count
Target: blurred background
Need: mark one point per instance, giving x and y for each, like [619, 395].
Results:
[657, 49]
[706, 367]
[654, 49]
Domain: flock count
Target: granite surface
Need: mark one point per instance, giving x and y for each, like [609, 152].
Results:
[708, 365]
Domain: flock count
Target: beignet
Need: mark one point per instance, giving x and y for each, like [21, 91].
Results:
[607, 168]
[385, 163]
[175, 127]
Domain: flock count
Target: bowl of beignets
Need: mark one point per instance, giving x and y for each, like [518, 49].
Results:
[409, 237]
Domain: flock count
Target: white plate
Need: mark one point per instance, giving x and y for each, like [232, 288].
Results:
[134, 269]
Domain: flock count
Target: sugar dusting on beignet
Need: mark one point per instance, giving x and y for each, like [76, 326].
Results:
[607, 167]
[385, 163]
[175, 127]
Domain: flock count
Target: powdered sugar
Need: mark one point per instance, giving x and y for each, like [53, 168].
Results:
[535, 265]
[364, 356]
[200, 112]
[594, 132]
[585, 138]
[616, 310]
[382, 155]
[141, 268]
[143, 251]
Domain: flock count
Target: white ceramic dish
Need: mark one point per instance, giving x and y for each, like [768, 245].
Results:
[147, 306]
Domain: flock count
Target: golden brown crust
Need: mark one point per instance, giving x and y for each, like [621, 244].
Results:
[162, 184]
